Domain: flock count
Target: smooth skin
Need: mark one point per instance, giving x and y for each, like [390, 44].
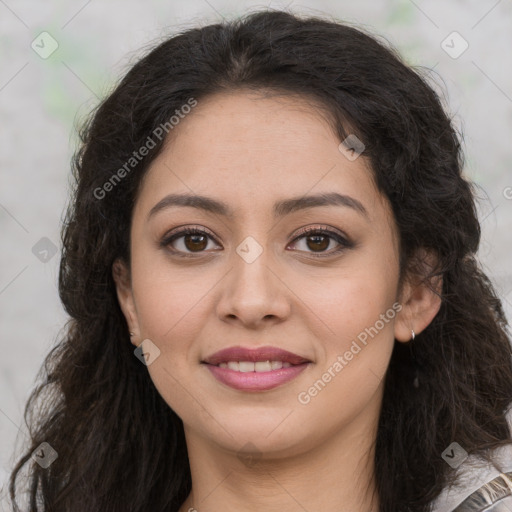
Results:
[265, 450]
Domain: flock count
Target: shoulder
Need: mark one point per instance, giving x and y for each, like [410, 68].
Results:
[479, 486]
[494, 496]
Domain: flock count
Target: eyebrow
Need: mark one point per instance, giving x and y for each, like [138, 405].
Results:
[281, 208]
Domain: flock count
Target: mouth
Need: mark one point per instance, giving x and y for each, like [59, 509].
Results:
[256, 366]
[260, 356]
[255, 369]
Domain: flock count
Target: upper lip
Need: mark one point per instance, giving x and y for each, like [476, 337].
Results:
[267, 353]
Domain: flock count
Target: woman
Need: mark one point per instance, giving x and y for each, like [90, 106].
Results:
[273, 211]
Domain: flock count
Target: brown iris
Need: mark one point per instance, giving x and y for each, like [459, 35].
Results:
[195, 242]
[320, 242]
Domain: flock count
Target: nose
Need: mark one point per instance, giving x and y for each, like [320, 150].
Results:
[253, 293]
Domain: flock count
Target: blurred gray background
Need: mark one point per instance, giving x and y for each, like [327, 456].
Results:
[57, 58]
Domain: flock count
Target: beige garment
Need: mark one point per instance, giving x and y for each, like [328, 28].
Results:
[494, 496]
[477, 480]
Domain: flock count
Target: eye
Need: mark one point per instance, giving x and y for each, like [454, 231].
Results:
[319, 239]
[195, 240]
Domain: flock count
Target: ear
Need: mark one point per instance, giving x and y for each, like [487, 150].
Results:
[420, 298]
[122, 279]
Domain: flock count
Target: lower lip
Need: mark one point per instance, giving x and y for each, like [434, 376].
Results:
[256, 381]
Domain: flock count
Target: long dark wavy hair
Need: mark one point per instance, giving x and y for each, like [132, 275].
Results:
[120, 447]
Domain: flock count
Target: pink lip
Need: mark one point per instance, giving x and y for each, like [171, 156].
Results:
[255, 354]
[255, 381]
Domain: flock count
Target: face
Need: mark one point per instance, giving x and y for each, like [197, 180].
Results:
[249, 276]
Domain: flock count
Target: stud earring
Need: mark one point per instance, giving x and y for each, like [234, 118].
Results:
[132, 334]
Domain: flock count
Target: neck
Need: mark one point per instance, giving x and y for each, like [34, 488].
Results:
[335, 475]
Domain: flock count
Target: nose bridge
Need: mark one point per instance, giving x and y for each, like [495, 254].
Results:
[253, 291]
[251, 272]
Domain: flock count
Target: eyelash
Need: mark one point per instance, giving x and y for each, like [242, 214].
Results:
[344, 243]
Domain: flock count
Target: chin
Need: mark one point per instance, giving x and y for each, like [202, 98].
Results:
[267, 433]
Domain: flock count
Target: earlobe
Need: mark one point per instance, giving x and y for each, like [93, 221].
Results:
[121, 276]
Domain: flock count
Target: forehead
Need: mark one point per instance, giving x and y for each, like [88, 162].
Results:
[250, 150]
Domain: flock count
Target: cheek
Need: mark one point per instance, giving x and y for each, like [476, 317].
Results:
[169, 299]
[353, 362]
[358, 308]
[172, 307]
[352, 299]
